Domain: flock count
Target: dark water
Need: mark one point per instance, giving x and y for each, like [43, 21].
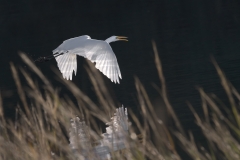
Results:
[186, 33]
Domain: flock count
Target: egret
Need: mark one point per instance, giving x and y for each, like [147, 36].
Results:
[97, 51]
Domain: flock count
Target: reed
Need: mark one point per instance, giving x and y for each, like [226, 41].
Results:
[48, 126]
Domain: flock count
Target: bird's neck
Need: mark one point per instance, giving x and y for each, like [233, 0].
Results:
[110, 39]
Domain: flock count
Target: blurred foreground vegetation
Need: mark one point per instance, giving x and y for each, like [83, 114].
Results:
[45, 124]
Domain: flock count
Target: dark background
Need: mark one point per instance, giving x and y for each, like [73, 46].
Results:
[186, 33]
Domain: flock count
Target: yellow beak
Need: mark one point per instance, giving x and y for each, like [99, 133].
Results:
[122, 38]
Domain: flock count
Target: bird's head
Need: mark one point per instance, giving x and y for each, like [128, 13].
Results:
[116, 38]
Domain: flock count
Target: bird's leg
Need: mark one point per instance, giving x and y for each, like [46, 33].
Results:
[56, 55]
[47, 58]
[52, 56]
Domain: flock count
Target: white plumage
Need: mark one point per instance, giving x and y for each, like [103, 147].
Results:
[96, 51]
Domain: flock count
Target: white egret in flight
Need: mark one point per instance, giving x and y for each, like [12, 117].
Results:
[97, 51]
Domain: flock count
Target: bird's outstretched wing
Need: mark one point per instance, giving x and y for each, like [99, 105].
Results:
[67, 62]
[108, 65]
[102, 54]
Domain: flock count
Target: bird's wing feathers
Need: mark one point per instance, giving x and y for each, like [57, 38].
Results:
[94, 50]
[106, 61]
[67, 63]
[108, 65]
